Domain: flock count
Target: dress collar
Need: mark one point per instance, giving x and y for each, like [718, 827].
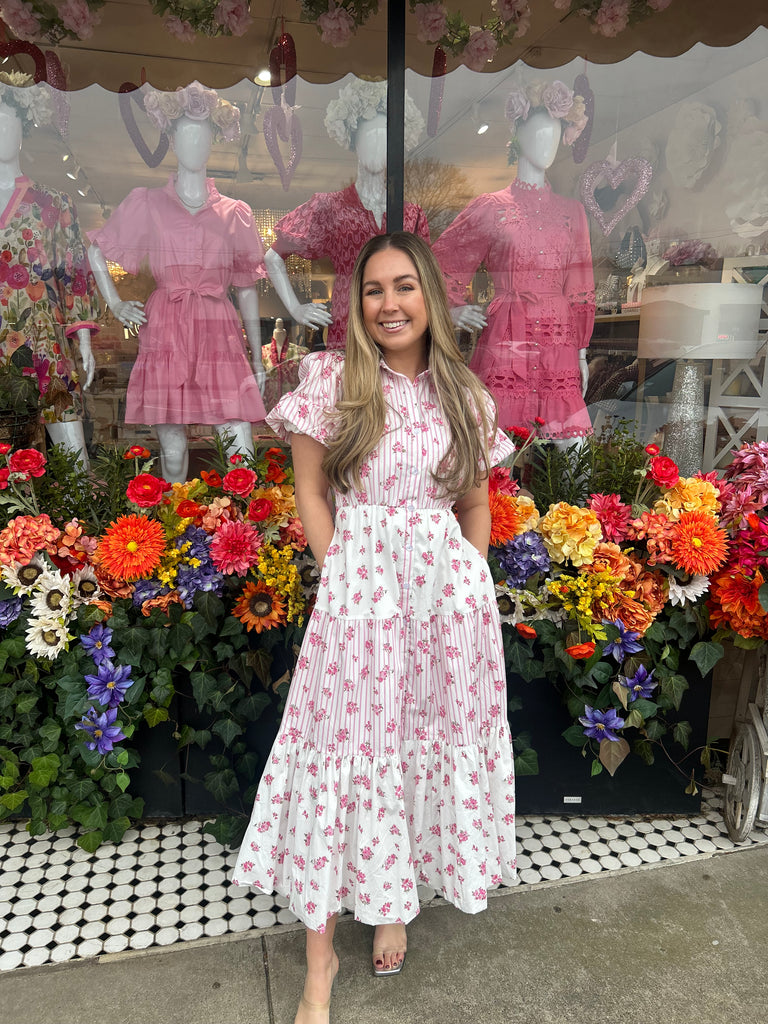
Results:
[396, 373]
[22, 183]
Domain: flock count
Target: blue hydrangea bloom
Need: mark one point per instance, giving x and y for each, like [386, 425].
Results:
[10, 610]
[146, 590]
[522, 557]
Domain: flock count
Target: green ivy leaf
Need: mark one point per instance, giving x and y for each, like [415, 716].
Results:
[228, 729]
[13, 800]
[44, 771]
[96, 817]
[682, 734]
[221, 784]
[154, 716]
[90, 841]
[49, 733]
[114, 831]
[706, 655]
[25, 702]
[596, 768]
[574, 735]
[204, 685]
[526, 762]
[123, 780]
[673, 689]
[655, 729]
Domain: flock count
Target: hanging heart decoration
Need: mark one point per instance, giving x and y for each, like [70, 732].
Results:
[17, 46]
[615, 174]
[283, 123]
[436, 89]
[54, 76]
[282, 56]
[581, 145]
[128, 94]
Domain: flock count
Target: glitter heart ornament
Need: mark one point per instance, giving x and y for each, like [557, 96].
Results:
[615, 174]
[283, 123]
[128, 94]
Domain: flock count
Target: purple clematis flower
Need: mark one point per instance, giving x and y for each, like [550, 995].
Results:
[109, 686]
[599, 725]
[641, 684]
[625, 643]
[97, 642]
[102, 730]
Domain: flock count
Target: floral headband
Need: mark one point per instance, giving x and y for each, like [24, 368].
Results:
[197, 103]
[30, 101]
[361, 100]
[556, 98]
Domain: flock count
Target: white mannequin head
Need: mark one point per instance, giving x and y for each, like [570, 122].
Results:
[371, 144]
[538, 138]
[192, 142]
[10, 133]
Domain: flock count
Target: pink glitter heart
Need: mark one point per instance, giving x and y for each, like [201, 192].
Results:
[129, 93]
[275, 127]
[635, 167]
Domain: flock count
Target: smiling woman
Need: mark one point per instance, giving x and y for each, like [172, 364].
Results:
[394, 311]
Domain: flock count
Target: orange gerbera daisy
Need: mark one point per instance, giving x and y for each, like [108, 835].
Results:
[699, 545]
[259, 608]
[131, 547]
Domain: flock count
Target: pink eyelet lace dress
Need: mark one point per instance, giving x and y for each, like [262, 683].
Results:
[535, 245]
[393, 765]
[335, 226]
[192, 365]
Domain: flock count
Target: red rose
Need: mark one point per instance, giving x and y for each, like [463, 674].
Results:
[210, 477]
[539, 421]
[527, 631]
[4, 449]
[188, 509]
[259, 509]
[663, 471]
[581, 651]
[146, 490]
[234, 459]
[652, 449]
[521, 433]
[137, 451]
[4, 474]
[28, 461]
[239, 481]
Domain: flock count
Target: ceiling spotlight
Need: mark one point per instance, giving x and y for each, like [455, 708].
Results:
[65, 158]
[74, 172]
[265, 75]
[84, 190]
[482, 128]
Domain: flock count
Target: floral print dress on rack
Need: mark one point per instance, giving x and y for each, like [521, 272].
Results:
[47, 291]
[393, 764]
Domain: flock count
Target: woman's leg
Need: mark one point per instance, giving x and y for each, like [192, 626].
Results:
[389, 946]
[322, 965]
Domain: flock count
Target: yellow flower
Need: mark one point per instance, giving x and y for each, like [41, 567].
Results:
[690, 494]
[570, 533]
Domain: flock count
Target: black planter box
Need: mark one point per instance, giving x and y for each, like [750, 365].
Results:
[564, 786]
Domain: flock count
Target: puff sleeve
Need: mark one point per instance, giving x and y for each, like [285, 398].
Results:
[248, 255]
[125, 238]
[309, 409]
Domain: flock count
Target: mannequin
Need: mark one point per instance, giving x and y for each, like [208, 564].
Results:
[192, 365]
[532, 349]
[281, 359]
[43, 242]
[336, 225]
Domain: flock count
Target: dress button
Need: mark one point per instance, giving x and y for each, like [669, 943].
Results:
[541, 252]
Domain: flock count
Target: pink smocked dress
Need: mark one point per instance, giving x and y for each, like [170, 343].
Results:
[192, 365]
[535, 245]
[335, 226]
[393, 764]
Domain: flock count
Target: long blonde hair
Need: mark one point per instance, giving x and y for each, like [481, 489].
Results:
[361, 411]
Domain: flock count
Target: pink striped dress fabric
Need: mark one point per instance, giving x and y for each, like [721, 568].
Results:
[393, 765]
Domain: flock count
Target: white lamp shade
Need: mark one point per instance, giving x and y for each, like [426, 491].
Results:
[700, 321]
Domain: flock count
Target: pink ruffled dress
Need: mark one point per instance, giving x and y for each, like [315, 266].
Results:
[535, 245]
[393, 764]
[192, 365]
[335, 226]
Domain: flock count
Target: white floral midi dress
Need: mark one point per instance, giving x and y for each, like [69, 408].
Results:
[393, 764]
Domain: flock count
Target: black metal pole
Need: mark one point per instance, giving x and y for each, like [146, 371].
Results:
[395, 113]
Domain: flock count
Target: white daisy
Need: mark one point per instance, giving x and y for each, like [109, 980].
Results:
[47, 637]
[52, 597]
[85, 586]
[22, 579]
[687, 593]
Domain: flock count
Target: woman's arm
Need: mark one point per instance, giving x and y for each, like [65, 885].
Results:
[312, 494]
[474, 515]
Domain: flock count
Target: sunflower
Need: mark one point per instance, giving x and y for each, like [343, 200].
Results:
[52, 597]
[259, 608]
[699, 545]
[47, 637]
[131, 547]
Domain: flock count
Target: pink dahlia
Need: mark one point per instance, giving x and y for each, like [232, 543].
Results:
[612, 514]
[235, 547]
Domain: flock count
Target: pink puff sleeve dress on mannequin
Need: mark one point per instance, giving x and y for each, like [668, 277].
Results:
[335, 226]
[192, 365]
[535, 245]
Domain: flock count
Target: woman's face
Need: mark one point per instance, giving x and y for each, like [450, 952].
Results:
[394, 310]
[10, 133]
[192, 142]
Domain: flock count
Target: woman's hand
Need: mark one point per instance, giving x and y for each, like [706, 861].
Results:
[129, 312]
[469, 318]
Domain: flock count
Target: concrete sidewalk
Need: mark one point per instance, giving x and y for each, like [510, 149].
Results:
[674, 944]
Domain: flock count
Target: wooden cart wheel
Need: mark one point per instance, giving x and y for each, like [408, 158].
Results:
[742, 795]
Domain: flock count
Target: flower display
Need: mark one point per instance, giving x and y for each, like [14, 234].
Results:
[610, 17]
[36, 20]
